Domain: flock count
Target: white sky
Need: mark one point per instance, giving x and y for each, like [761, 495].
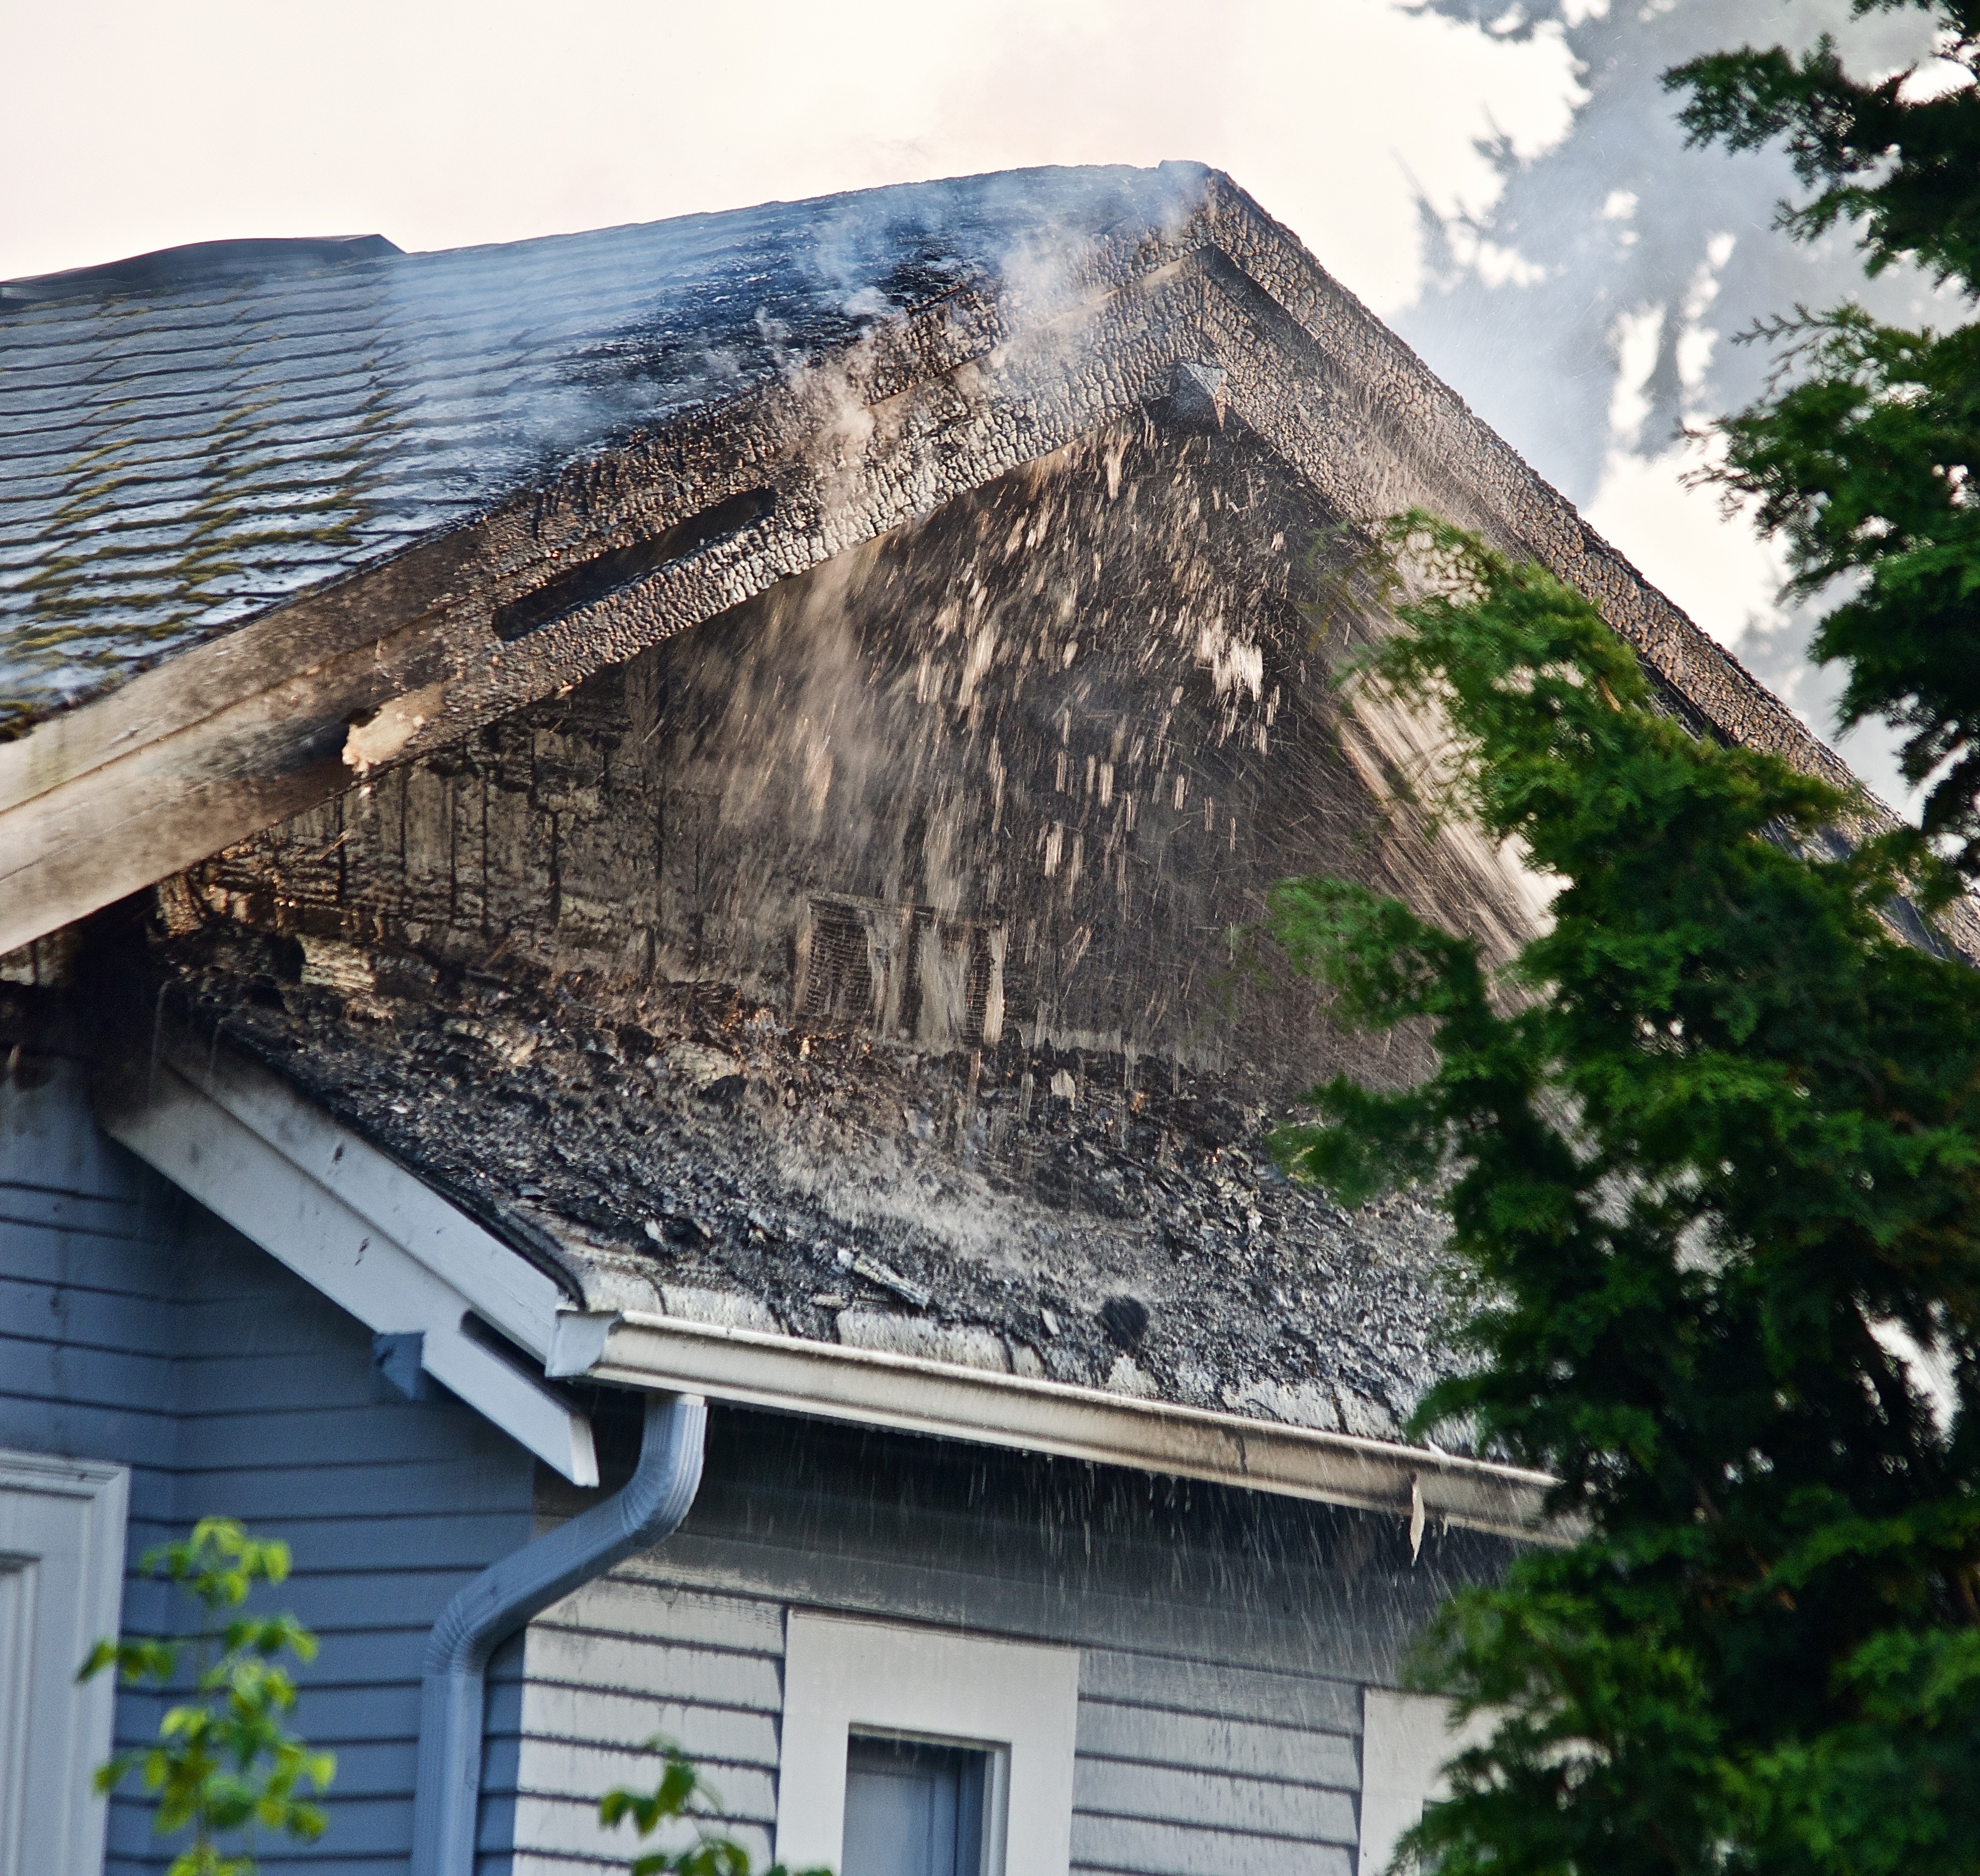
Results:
[440, 123]
[133, 126]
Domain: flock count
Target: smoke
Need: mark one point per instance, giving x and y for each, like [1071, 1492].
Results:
[1588, 314]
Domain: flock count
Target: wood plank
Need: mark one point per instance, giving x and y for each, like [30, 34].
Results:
[635, 1604]
[256, 1494]
[98, 1319]
[37, 1424]
[99, 1263]
[48, 1365]
[1210, 1688]
[561, 1768]
[1122, 1847]
[360, 1828]
[735, 1735]
[1151, 1736]
[656, 1671]
[568, 1828]
[463, 1541]
[30, 1207]
[1163, 1794]
[380, 1434]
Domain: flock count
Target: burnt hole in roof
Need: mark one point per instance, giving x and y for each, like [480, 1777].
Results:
[619, 567]
[1126, 1320]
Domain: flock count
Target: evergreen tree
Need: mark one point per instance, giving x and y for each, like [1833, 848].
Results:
[1710, 1148]
[1863, 454]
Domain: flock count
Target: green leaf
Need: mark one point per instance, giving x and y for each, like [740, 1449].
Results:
[223, 1762]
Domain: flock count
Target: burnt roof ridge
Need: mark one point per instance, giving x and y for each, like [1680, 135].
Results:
[199, 264]
[1073, 184]
[643, 376]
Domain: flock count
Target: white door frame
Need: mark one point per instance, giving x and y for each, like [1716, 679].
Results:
[53, 1734]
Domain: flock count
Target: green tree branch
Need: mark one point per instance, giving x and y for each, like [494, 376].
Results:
[223, 1763]
[1705, 1143]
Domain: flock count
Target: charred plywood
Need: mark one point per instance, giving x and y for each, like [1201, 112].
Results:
[554, 456]
[1030, 766]
[872, 961]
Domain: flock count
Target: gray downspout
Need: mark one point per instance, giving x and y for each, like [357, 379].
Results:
[504, 1597]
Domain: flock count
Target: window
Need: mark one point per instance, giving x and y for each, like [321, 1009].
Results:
[913, 1751]
[61, 1582]
[914, 1807]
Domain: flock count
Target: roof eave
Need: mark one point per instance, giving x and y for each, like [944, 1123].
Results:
[636, 1349]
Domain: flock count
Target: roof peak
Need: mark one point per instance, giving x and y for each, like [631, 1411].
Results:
[201, 263]
[208, 263]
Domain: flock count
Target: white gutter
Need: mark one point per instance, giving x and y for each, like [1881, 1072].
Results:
[633, 1349]
[365, 1232]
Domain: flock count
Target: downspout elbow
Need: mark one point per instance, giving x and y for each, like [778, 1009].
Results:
[506, 1594]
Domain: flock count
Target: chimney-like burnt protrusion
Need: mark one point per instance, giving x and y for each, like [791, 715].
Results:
[619, 567]
[1196, 397]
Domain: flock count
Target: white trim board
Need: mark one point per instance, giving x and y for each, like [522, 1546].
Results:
[365, 1232]
[61, 1589]
[1019, 1701]
[1407, 1741]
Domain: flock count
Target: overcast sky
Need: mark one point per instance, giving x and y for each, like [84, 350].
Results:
[130, 127]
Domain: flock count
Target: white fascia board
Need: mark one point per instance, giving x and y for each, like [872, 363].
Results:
[643, 1350]
[365, 1232]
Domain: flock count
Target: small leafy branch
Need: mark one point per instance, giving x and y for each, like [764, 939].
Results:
[682, 1793]
[223, 1762]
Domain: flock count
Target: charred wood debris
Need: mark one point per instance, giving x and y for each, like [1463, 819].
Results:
[1060, 1214]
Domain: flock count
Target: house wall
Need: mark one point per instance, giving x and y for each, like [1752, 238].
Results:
[1225, 1639]
[135, 1327]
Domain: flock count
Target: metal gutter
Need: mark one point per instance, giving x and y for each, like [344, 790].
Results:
[503, 1598]
[635, 1348]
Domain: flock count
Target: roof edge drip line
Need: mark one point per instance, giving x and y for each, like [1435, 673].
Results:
[751, 1368]
[503, 1598]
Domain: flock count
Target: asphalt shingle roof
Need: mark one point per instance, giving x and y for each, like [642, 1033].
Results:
[176, 459]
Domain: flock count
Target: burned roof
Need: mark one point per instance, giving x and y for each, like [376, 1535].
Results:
[263, 529]
[766, 739]
[192, 438]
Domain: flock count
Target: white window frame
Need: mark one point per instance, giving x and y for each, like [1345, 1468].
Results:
[1016, 1700]
[58, 1732]
[1407, 1741]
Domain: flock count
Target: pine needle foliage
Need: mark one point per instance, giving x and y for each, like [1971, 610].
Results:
[225, 1763]
[1710, 1149]
[1862, 453]
[1888, 156]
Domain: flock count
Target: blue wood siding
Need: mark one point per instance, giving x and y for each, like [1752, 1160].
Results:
[1225, 1637]
[135, 1327]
